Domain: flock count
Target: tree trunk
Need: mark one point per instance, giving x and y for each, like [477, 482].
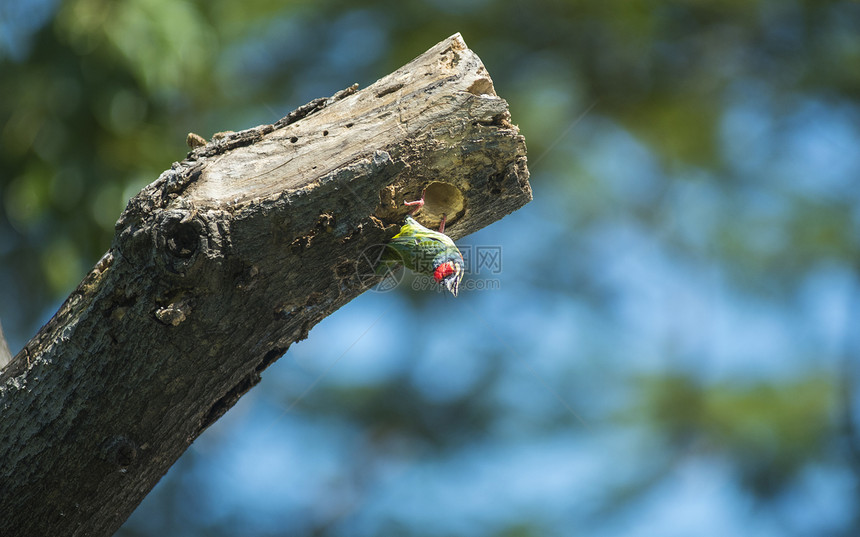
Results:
[224, 261]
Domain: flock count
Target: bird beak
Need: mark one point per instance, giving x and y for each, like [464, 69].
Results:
[453, 283]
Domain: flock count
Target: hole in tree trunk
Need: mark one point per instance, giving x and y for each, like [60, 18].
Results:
[442, 198]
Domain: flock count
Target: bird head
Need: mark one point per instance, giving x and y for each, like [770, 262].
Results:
[449, 273]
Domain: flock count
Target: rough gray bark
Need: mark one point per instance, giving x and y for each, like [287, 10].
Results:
[219, 265]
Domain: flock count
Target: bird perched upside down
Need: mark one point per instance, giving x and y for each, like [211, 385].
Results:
[425, 251]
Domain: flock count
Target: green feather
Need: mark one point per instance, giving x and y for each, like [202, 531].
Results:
[417, 248]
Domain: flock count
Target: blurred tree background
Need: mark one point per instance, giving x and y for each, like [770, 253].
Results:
[666, 348]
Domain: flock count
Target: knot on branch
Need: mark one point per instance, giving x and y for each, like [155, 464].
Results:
[187, 238]
[120, 451]
[182, 239]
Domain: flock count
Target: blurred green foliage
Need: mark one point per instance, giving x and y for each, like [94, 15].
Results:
[754, 426]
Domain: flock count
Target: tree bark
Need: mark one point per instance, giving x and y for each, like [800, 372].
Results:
[221, 264]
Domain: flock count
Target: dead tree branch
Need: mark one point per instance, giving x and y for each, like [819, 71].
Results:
[221, 264]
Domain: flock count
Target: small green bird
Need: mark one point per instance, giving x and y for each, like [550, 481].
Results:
[425, 251]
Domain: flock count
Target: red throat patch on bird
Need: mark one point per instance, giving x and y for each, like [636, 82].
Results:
[443, 270]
